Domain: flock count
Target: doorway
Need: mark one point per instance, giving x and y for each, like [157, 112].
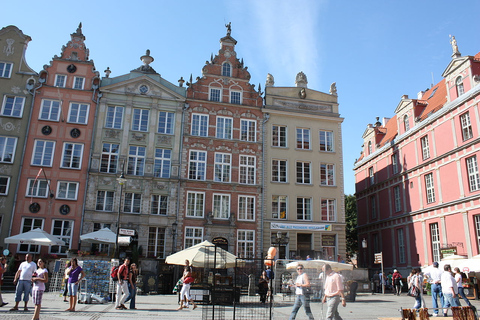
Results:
[304, 244]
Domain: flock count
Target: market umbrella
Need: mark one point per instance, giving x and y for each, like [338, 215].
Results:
[318, 264]
[104, 235]
[453, 260]
[36, 237]
[205, 254]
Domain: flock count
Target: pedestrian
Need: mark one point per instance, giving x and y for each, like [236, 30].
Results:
[132, 285]
[40, 277]
[421, 283]
[24, 278]
[2, 271]
[308, 258]
[333, 292]
[376, 282]
[449, 290]
[435, 279]
[122, 285]
[65, 281]
[390, 281]
[187, 279]
[301, 284]
[414, 280]
[271, 277]
[263, 286]
[396, 280]
[75, 275]
[459, 281]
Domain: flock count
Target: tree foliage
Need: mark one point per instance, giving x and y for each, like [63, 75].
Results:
[351, 226]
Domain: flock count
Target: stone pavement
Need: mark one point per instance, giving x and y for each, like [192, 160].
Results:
[366, 307]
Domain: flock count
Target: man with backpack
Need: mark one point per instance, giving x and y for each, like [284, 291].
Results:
[122, 285]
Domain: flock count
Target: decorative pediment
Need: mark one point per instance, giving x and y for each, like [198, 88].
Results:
[404, 106]
[454, 65]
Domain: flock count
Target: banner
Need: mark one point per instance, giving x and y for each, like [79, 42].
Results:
[305, 227]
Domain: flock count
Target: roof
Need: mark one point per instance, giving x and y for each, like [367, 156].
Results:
[436, 97]
[391, 131]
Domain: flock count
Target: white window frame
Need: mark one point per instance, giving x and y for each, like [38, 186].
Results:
[406, 122]
[132, 203]
[430, 188]
[303, 139]
[195, 205]
[8, 147]
[15, 103]
[279, 205]
[459, 86]
[65, 188]
[109, 158]
[199, 125]
[156, 242]
[50, 110]
[327, 174]
[105, 200]
[114, 117]
[221, 206]
[395, 163]
[304, 172]
[246, 208]
[70, 152]
[39, 151]
[476, 221]
[224, 128]
[4, 185]
[425, 147]
[467, 132]
[326, 141]
[162, 163]
[371, 175]
[166, 122]
[397, 198]
[193, 236]
[215, 94]
[279, 170]
[159, 204]
[330, 207]
[245, 243]
[66, 234]
[78, 83]
[197, 165]
[78, 113]
[6, 69]
[236, 96]
[226, 69]
[136, 160]
[60, 80]
[247, 170]
[435, 241]
[304, 208]
[401, 246]
[222, 167]
[36, 223]
[140, 119]
[248, 130]
[279, 136]
[473, 175]
[38, 189]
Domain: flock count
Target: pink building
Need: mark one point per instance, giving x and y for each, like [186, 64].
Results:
[417, 179]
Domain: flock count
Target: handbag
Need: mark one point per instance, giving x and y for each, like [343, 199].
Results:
[413, 291]
[307, 291]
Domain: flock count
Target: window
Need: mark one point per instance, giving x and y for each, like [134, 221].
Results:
[215, 94]
[72, 155]
[132, 203]
[27, 225]
[430, 188]
[371, 174]
[221, 206]
[37, 188]
[223, 163]
[401, 246]
[43, 153]
[248, 130]
[326, 141]
[166, 121]
[304, 208]
[476, 220]
[114, 117]
[328, 210]
[373, 207]
[459, 84]
[156, 242]
[62, 229]
[370, 150]
[303, 138]
[193, 236]
[162, 163]
[279, 207]
[140, 120]
[245, 243]
[425, 148]
[406, 123]
[109, 159]
[396, 195]
[473, 176]
[5, 69]
[303, 172]
[78, 113]
[136, 160]
[13, 106]
[279, 136]
[50, 110]
[197, 165]
[327, 174]
[329, 245]
[435, 241]
[466, 126]
[279, 170]
[159, 205]
[60, 80]
[4, 184]
[195, 204]
[105, 248]
[247, 170]
[226, 70]
[67, 190]
[200, 125]
[105, 201]
[235, 97]
[78, 83]
[7, 149]
[246, 208]
[395, 163]
[224, 128]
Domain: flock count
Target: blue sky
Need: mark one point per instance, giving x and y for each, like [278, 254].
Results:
[376, 51]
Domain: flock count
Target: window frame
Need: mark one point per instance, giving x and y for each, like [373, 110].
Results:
[136, 160]
[222, 167]
[221, 206]
[114, 118]
[466, 125]
[58, 78]
[6, 148]
[162, 163]
[435, 241]
[44, 156]
[245, 243]
[303, 139]
[75, 83]
[166, 122]
[199, 172]
[81, 108]
[31, 248]
[328, 144]
[105, 202]
[159, 204]
[16, 110]
[156, 246]
[330, 214]
[49, 111]
[246, 208]
[279, 136]
[195, 204]
[199, 125]
[4, 69]
[68, 160]
[280, 175]
[277, 205]
[236, 96]
[425, 145]
[327, 175]
[223, 129]
[4, 186]
[429, 188]
[196, 236]
[109, 158]
[226, 71]
[247, 133]
[472, 173]
[395, 163]
[215, 94]
[68, 185]
[140, 119]
[406, 122]
[247, 169]
[397, 198]
[401, 246]
[132, 203]
[303, 172]
[459, 86]
[66, 235]
[304, 209]
[36, 187]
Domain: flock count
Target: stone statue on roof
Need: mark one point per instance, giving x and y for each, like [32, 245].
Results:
[229, 28]
[333, 89]
[453, 42]
[301, 80]
[270, 81]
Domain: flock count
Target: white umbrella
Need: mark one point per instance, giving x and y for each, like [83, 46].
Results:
[453, 260]
[36, 237]
[318, 264]
[104, 235]
[204, 254]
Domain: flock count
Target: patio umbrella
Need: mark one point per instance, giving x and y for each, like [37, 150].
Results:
[318, 264]
[36, 237]
[453, 260]
[104, 235]
[204, 254]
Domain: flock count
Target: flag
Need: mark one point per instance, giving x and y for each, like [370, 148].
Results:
[34, 182]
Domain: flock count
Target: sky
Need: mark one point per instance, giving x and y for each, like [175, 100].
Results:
[375, 51]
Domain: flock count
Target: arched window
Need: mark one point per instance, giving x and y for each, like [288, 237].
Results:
[226, 70]
[370, 147]
[406, 123]
[459, 84]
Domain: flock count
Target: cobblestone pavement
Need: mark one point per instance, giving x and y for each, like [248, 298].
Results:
[366, 307]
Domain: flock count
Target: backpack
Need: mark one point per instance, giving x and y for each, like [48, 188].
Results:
[114, 273]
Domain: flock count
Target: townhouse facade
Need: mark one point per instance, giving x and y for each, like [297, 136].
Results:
[417, 179]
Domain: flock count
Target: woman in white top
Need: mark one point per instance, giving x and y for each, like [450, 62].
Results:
[301, 283]
[40, 277]
[459, 281]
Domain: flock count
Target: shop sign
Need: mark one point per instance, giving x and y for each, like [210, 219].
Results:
[303, 227]
[126, 232]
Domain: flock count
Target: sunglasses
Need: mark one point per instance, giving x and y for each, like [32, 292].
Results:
[299, 268]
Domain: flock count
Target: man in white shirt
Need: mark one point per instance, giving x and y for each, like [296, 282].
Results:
[24, 279]
[449, 290]
[435, 279]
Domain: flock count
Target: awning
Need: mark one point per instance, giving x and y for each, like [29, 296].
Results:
[124, 241]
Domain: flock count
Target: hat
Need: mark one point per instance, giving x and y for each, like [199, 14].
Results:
[395, 270]
[435, 264]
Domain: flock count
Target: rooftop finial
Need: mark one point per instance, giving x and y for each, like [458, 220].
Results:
[79, 29]
[229, 29]
[453, 42]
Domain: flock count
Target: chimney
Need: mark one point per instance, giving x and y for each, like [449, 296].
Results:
[420, 95]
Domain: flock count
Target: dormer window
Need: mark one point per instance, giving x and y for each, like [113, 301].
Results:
[226, 70]
[459, 84]
[406, 123]
[370, 147]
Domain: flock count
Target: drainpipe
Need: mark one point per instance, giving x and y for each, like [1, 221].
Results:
[262, 221]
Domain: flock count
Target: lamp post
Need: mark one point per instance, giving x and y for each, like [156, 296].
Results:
[174, 235]
[279, 240]
[121, 181]
[364, 246]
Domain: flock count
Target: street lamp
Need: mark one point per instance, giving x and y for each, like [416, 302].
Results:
[279, 240]
[364, 246]
[121, 181]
